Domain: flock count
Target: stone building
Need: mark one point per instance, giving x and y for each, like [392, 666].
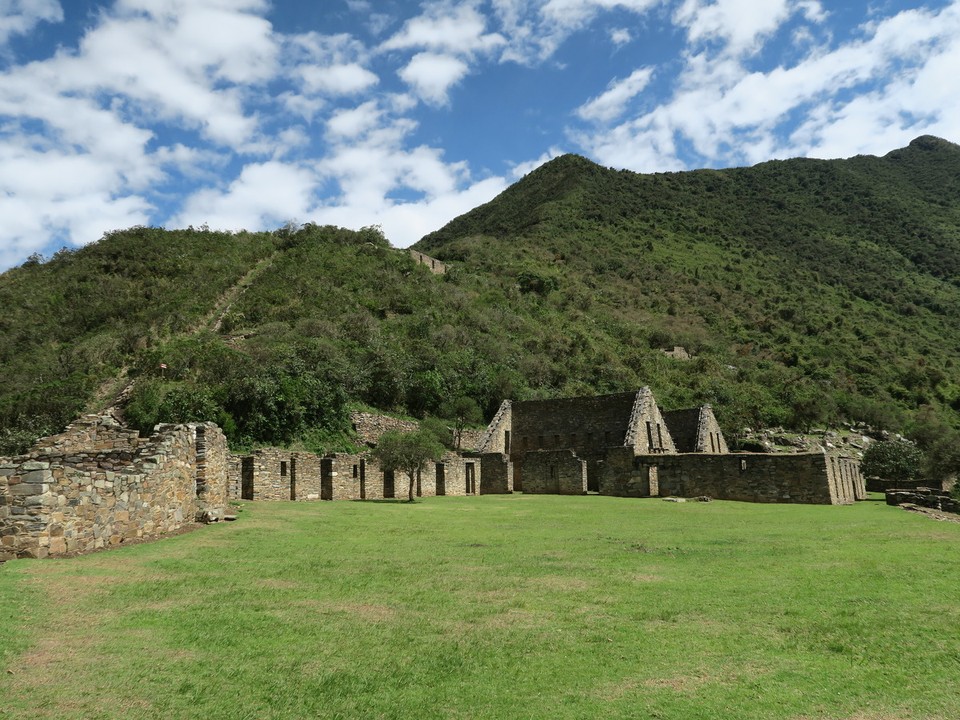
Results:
[99, 484]
[623, 444]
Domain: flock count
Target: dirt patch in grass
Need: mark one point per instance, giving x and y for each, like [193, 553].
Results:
[562, 582]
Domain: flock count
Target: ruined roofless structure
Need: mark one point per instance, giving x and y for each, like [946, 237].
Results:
[624, 445]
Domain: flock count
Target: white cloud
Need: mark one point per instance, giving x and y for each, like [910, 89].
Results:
[264, 195]
[347, 79]
[446, 29]
[19, 17]
[612, 103]
[620, 36]
[866, 96]
[354, 122]
[739, 23]
[535, 30]
[431, 76]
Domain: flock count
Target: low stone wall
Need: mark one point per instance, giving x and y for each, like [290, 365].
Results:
[55, 504]
[800, 478]
[554, 472]
[924, 497]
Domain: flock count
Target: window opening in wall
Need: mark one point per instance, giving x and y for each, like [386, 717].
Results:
[606, 437]
[506, 441]
[650, 436]
[283, 468]
[573, 439]
[659, 437]
[589, 438]
[388, 484]
[356, 471]
[525, 443]
[539, 441]
[713, 447]
[556, 441]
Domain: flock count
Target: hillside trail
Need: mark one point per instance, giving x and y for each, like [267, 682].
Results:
[115, 392]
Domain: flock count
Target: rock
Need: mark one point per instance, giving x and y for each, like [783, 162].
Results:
[674, 499]
[703, 498]
[229, 518]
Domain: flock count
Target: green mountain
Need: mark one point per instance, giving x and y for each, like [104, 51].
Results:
[807, 291]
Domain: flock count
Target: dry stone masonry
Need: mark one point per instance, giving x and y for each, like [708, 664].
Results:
[99, 484]
[624, 445]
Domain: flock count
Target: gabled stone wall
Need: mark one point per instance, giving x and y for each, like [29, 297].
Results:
[369, 426]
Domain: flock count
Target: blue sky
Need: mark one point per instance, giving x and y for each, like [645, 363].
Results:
[248, 114]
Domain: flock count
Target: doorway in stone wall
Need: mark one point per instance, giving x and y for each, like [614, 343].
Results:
[363, 479]
[470, 478]
[388, 484]
[441, 479]
[326, 479]
[246, 478]
[293, 478]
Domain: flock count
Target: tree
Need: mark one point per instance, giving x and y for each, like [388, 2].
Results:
[893, 460]
[408, 452]
[463, 411]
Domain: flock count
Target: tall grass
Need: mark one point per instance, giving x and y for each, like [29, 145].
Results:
[498, 607]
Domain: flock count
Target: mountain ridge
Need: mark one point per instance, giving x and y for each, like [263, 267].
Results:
[808, 291]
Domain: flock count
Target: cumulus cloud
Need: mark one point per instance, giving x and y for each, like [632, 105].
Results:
[446, 29]
[19, 17]
[431, 76]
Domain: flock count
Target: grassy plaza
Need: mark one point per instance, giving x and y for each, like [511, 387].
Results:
[498, 607]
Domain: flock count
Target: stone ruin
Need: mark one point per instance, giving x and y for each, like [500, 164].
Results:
[624, 445]
[99, 484]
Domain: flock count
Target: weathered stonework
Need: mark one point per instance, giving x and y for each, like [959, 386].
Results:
[626, 446]
[555, 472]
[275, 474]
[369, 427]
[97, 485]
[434, 265]
[795, 478]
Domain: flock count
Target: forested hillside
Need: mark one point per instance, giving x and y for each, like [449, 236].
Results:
[809, 292]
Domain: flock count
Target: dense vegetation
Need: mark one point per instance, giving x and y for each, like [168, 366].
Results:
[810, 292]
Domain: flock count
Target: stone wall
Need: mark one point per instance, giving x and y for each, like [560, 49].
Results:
[434, 265]
[554, 472]
[67, 497]
[647, 431]
[369, 427]
[799, 478]
[933, 498]
[497, 437]
[496, 474]
[275, 474]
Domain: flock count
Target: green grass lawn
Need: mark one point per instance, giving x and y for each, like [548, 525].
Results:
[498, 607]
